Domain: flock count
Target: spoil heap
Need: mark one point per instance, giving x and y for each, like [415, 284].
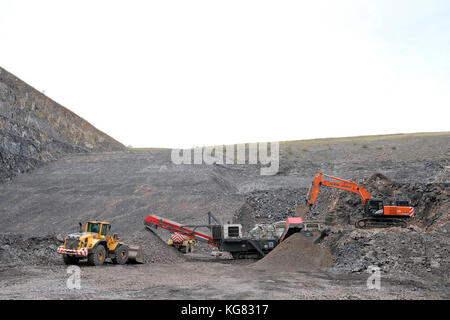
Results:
[394, 250]
[16, 249]
[155, 250]
[296, 253]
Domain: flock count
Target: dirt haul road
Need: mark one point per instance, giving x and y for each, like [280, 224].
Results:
[201, 280]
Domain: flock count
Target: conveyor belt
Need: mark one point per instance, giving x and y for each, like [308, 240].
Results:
[156, 221]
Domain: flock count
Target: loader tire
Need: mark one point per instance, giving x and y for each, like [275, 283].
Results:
[98, 256]
[70, 259]
[121, 255]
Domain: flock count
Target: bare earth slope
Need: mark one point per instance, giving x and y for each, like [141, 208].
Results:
[35, 129]
[124, 187]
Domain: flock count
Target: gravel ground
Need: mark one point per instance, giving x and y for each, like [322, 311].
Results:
[155, 250]
[204, 280]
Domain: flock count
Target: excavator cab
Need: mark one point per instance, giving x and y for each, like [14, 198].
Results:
[374, 207]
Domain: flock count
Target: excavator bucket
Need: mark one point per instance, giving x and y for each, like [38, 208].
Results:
[135, 254]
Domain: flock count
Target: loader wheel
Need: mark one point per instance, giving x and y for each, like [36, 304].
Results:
[70, 259]
[121, 255]
[98, 256]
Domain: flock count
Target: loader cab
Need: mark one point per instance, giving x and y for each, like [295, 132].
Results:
[98, 227]
[374, 207]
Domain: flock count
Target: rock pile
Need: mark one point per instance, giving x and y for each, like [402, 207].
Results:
[18, 249]
[395, 250]
[420, 249]
[274, 205]
[296, 253]
[155, 250]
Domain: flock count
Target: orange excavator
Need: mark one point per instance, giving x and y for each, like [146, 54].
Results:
[376, 214]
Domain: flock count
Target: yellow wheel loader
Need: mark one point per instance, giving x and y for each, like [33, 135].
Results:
[96, 243]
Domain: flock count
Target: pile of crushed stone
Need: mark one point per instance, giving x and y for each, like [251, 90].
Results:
[393, 250]
[296, 253]
[155, 250]
[17, 249]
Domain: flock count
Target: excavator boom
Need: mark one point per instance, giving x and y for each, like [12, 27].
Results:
[337, 183]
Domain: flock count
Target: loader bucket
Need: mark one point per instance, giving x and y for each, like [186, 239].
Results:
[135, 254]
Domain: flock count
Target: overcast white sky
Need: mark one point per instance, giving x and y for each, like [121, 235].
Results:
[191, 73]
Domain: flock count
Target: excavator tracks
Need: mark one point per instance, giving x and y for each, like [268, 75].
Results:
[368, 223]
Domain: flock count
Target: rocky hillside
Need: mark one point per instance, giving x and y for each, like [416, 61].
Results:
[35, 129]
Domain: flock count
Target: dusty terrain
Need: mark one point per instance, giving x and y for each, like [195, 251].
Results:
[125, 186]
[34, 271]
[203, 280]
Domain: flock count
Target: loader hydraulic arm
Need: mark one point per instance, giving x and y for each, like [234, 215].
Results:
[337, 183]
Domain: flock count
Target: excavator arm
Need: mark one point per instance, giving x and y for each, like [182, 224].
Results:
[337, 183]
